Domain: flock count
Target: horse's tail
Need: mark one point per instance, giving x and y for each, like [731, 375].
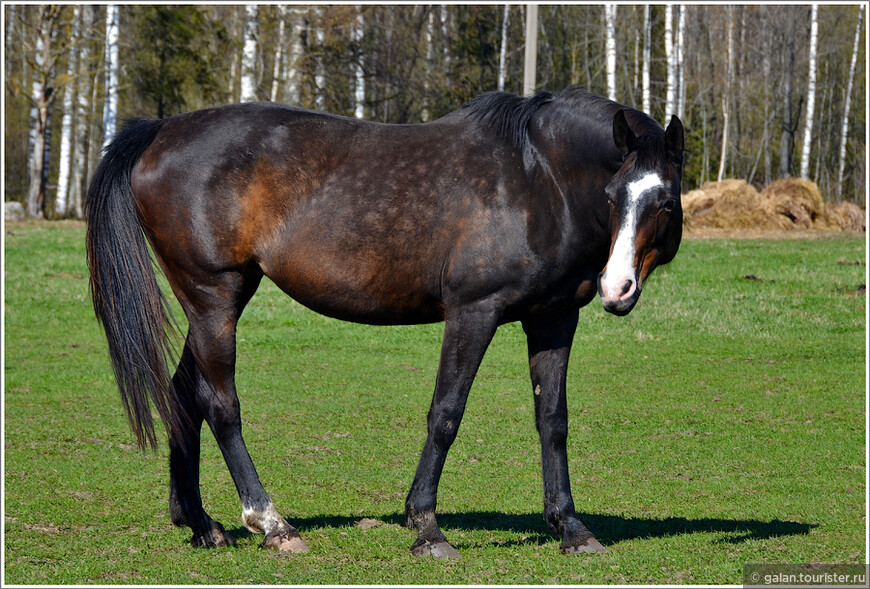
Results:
[127, 298]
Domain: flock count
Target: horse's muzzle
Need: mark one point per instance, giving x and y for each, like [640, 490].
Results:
[619, 298]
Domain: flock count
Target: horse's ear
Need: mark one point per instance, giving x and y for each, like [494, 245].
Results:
[674, 139]
[623, 136]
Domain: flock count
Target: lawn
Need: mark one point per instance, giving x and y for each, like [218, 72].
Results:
[722, 423]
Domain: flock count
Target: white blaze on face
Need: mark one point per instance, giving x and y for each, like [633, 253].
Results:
[620, 279]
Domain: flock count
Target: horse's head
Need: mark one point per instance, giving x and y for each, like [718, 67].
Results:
[646, 218]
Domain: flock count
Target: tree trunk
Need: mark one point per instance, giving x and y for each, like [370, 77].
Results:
[319, 68]
[279, 53]
[844, 133]
[445, 36]
[430, 65]
[786, 144]
[359, 78]
[61, 203]
[234, 63]
[610, 31]
[670, 89]
[249, 56]
[726, 96]
[41, 95]
[291, 75]
[811, 94]
[502, 56]
[110, 108]
[531, 57]
[647, 35]
[680, 54]
[82, 116]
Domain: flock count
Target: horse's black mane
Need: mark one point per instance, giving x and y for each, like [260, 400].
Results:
[509, 114]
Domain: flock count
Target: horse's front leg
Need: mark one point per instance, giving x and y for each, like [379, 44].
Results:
[549, 344]
[467, 334]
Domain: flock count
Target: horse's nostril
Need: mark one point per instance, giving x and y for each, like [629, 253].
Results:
[626, 287]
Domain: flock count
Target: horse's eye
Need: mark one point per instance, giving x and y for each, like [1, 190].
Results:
[669, 205]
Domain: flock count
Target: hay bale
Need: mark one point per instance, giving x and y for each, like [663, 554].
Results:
[797, 200]
[847, 216]
[729, 204]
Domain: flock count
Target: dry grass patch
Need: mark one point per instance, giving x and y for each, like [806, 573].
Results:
[788, 204]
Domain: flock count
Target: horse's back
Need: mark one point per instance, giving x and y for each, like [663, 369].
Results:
[354, 219]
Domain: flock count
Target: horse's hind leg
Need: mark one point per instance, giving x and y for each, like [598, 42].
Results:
[213, 311]
[185, 502]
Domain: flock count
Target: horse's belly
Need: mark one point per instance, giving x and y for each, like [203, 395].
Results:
[346, 288]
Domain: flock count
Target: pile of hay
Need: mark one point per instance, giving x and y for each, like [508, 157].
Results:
[847, 216]
[789, 203]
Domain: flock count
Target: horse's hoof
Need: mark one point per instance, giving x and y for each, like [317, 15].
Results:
[437, 549]
[285, 543]
[589, 545]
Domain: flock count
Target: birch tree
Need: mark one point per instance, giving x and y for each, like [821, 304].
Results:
[42, 95]
[679, 53]
[530, 62]
[844, 134]
[234, 62]
[279, 53]
[319, 67]
[726, 95]
[430, 66]
[811, 93]
[502, 55]
[61, 203]
[786, 144]
[110, 107]
[85, 88]
[291, 66]
[359, 78]
[249, 56]
[610, 30]
[670, 88]
[647, 39]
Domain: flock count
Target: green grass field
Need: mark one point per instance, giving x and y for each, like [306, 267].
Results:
[722, 423]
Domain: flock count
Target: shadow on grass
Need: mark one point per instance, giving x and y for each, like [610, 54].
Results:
[609, 529]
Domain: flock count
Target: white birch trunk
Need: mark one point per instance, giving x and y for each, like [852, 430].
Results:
[670, 89]
[320, 70]
[680, 54]
[359, 70]
[39, 120]
[234, 64]
[110, 107]
[811, 94]
[610, 27]
[445, 35]
[249, 56]
[82, 117]
[844, 134]
[502, 56]
[726, 97]
[61, 203]
[531, 57]
[291, 75]
[647, 34]
[430, 56]
[279, 53]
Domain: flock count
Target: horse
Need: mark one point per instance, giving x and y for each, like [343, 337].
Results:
[507, 209]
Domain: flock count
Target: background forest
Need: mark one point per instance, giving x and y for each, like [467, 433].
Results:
[763, 91]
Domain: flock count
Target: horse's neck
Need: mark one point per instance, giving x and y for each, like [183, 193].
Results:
[576, 158]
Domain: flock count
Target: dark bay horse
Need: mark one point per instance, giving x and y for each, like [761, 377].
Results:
[508, 209]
